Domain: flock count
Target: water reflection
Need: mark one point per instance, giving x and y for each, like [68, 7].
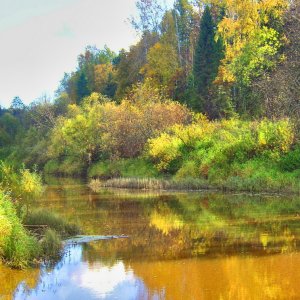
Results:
[181, 246]
[74, 278]
[235, 277]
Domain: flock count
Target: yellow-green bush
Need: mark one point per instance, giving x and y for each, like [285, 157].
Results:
[218, 150]
[21, 183]
[17, 247]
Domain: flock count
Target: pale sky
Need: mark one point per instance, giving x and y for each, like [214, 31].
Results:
[41, 39]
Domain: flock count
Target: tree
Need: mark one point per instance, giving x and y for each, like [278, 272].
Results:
[131, 62]
[17, 104]
[207, 60]
[185, 22]
[162, 63]
[82, 87]
[150, 15]
[105, 83]
[279, 89]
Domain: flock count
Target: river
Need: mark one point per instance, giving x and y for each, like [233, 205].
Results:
[180, 246]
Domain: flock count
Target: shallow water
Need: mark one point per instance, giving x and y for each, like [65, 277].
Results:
[180, 246]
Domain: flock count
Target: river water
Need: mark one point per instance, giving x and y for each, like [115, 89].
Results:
[179, 246]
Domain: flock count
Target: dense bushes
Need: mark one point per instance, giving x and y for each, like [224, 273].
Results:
[126, 168]
[291, 161]
[100, 129]
[17, 247]
[20, 183]
[231, 154]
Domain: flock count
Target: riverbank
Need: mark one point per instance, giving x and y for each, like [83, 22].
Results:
[248, 185]
[229, 155]
[28, 236]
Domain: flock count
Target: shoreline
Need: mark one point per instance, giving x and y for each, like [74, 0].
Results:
[190, 185]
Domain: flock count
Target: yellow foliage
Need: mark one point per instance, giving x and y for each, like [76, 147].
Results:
[243, 20]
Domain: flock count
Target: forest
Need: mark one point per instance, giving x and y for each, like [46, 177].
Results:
[207, 98]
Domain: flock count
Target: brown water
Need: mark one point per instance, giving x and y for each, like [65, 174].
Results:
[180, 246]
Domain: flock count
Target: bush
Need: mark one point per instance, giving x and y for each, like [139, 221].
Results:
[230, 154]
[20, 183]
[291, 161]
[68, 167]
[137, 168]
[17, 247]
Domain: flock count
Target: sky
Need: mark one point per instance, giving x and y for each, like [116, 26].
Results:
[41, 39]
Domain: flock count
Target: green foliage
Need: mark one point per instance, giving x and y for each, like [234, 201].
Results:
[17, 247]
[51, 245]
[136, 168]
[21, 183]
[257, 55]
[207, 59]
[226, 152]
[52, 221]
[291, 161]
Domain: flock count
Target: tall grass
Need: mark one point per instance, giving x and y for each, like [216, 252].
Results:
[149, 184]
[50, 220]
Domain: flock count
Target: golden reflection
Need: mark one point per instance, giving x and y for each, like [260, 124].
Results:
[233, 278]
[164, 220]
[11, 278]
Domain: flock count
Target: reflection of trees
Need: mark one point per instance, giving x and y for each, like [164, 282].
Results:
[166, 226]
[163, 219]
[169, 225]
[11, 278]
[268, 277]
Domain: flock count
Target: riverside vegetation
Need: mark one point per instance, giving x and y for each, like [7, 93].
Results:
[208, 98]
[27, 235]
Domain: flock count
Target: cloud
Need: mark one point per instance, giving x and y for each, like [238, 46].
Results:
[66, 32]
[35, 53]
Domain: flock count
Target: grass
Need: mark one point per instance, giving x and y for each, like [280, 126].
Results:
[149, 184]
[50, 220]
[51, 245]
[258, 183]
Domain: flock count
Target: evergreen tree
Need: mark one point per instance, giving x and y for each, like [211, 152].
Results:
[207, 59]
[82, 87]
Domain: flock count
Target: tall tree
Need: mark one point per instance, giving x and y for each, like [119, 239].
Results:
[82, 87]
[184, 16]
[150, 15]
[207, 59]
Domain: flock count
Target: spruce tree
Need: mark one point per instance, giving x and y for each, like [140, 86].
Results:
[82, 87]
[207, 58]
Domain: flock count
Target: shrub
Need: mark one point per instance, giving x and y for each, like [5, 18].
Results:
[291, 161]
[69, 167]
[138, 168]
[228, 153]
[20, 183]
[17, 247]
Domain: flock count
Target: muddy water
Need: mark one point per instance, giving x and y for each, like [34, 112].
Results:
[180, 246]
